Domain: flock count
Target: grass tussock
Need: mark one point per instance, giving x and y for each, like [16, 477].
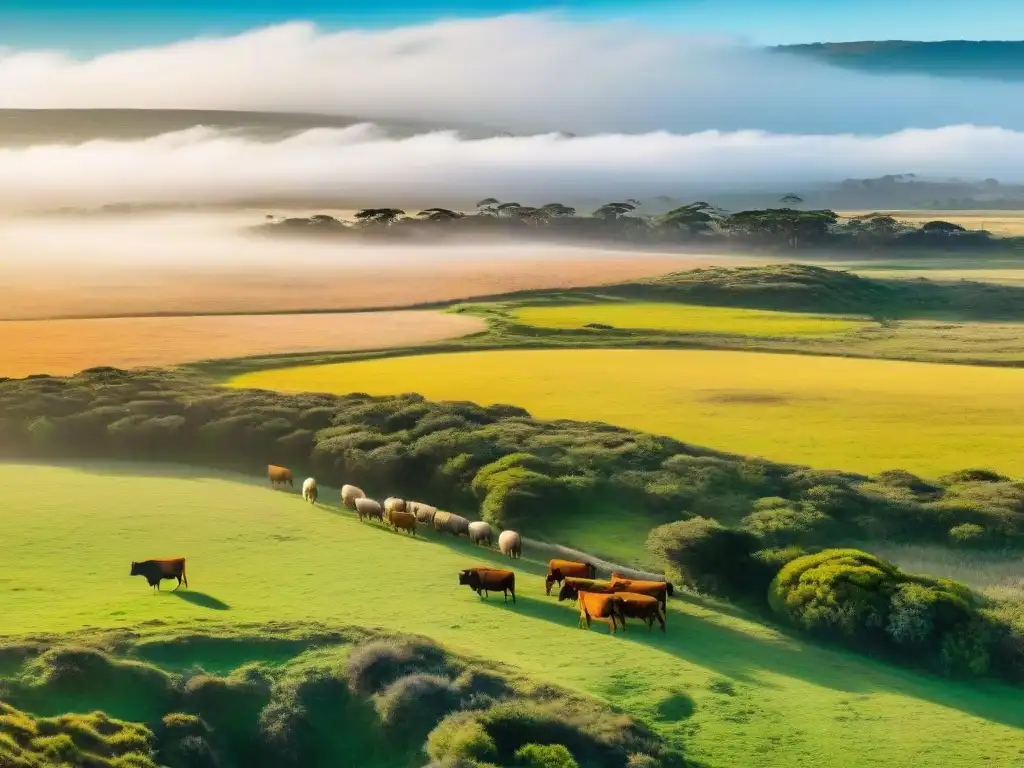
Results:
[76, 741]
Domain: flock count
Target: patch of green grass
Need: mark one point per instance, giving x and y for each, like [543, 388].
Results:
[269, 557]
[664, 316]
[860, 415]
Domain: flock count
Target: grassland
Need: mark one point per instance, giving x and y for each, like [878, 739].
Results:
[60, 347]
[255, 555]
[685, 318]
[861, 415]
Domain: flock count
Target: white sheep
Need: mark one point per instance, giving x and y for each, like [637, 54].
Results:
[481, 533]
[391, 504]
[309, 492]
[349, 494]
[510, 543]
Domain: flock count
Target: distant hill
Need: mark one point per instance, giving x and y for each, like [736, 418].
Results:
[989, 60]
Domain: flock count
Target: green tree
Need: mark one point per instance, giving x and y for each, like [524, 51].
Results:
[614, 211]
[383, 217]
[440, 215]
[693, 218]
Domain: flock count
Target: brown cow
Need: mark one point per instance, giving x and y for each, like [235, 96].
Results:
[559, 569]
[634, 606]
[597, 607]
[157, 570]
[572, 586]
[482, 580]
[659, 589]
[402, 521]
[279, 476]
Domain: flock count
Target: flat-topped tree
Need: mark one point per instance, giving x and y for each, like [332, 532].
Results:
[694, 218]
[379, 216]
[440, 214]
[614, 211]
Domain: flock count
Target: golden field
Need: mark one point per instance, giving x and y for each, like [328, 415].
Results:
[1003, 223]
[686, 318]
[60, 347]
[860, 415]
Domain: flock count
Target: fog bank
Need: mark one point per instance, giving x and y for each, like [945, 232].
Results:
[525, 73]
[364, 166]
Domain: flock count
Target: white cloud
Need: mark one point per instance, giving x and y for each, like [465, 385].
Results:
[520, 73]
[363, 165]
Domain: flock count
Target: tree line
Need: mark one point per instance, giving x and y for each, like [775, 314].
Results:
[788, 227]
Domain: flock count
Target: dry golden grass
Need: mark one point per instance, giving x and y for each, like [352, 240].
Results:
[67, 346]
[110, 291]
[1004, 223]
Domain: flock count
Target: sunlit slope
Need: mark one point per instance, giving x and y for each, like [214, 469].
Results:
[861, 415]
[664, 316]
[258, 555]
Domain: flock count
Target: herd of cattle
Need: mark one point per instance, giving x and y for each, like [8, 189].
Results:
[610, 602]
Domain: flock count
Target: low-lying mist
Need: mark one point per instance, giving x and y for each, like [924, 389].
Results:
[223, 241]
[110, 265]
[365, 166]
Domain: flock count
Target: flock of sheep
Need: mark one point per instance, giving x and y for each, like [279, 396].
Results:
[611, 601]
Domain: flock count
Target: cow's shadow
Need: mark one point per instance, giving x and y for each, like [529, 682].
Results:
[201, 599]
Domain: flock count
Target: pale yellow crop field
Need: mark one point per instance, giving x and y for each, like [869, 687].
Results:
[1003, 276]
[1002, 223]
[687, 318]
[861, 415]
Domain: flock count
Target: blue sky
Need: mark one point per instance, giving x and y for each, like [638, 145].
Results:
[89, 26]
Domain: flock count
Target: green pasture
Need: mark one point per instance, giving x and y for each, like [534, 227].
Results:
[257, 555]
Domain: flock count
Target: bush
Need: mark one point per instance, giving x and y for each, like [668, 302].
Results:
[413, 705]
[779, 522]
[545, 756]
[379, 664]
[461, 737]
[868, 603]
[967, 535]
[707, 555]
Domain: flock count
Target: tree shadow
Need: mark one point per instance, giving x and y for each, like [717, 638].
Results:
[201, 599]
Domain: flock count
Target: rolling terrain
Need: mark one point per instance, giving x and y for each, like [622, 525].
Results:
[731, 690]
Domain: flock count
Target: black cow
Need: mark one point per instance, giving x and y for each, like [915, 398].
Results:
[157, 570]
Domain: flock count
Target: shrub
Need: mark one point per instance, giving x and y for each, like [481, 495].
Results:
[972, 476]
[965, 649]
[461, 737]
[708, 556]
[869, 603]
[967, 535]
[413, 705]
[779, 522]
[42, 433]
[377, 665]
[545, 756]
